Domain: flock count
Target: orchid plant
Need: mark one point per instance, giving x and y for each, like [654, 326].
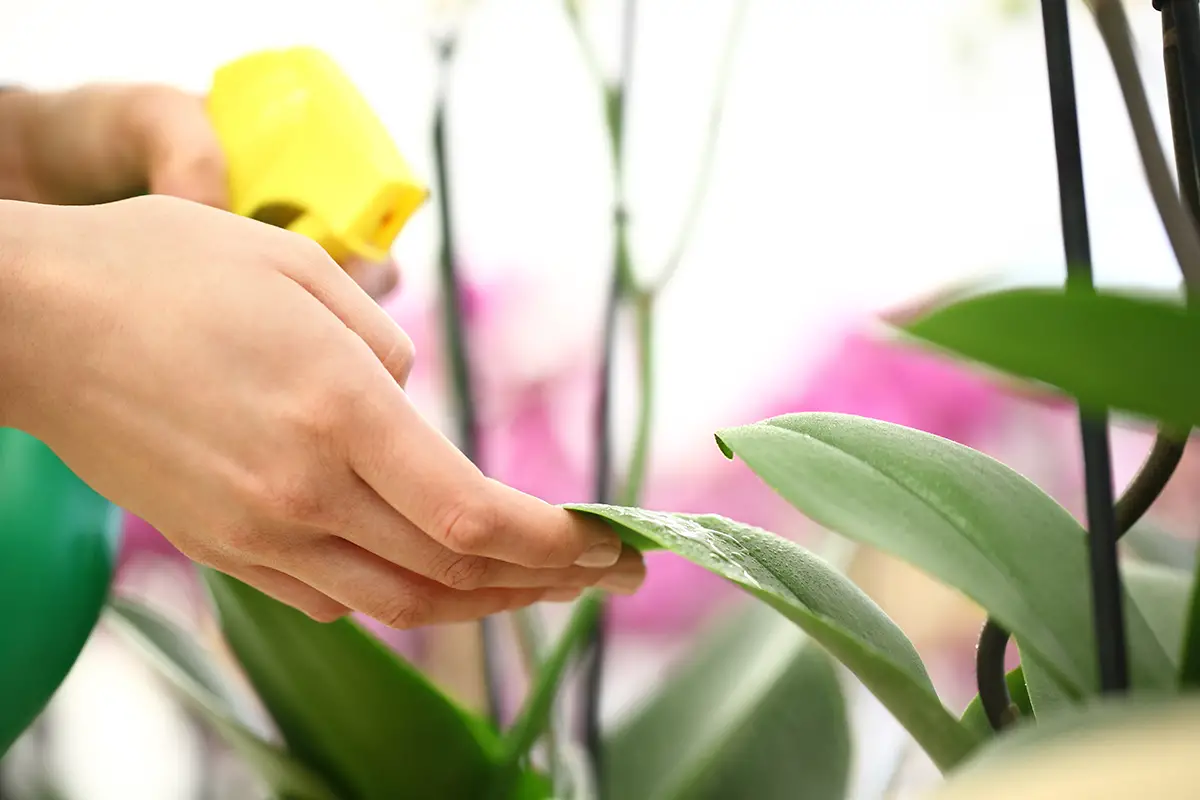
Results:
[759, 708]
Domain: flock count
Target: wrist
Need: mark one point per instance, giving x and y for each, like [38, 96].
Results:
[74, 147]
[24, 279]
[17, 109]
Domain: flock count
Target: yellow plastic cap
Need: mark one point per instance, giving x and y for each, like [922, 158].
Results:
[305, 151]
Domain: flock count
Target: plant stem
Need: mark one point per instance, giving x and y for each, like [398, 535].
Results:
[622, 288]
[540, 702]
[454, 330]
[531, 640]
[615, 107]
[631, 491]
[708, 154]
[1181, 62]
[1181, 231]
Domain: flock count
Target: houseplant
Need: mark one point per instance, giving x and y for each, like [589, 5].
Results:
[357, 725]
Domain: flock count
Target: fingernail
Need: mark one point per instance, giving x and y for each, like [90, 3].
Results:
[621, 582]
[600, 555]
[561, 595]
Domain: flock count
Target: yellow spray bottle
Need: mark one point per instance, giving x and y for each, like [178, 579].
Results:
[304, 151]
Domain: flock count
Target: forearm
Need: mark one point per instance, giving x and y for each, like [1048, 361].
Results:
[15, 115]
[53, 143]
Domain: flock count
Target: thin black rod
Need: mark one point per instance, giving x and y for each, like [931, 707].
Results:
[457, 351]
[1168, 449]
[1186, 17]
[617, 104]
[1107, 594]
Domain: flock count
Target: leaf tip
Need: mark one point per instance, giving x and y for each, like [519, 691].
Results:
[726, 450]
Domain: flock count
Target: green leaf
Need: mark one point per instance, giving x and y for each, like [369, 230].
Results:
[1107, 349]
[367, 721]
[757, 705]
[204, 689]
[960, 516]
[1183, 603]
[1161, 594]
[831, 609]
[976, 719]
[1047, 696]
[1147, 542]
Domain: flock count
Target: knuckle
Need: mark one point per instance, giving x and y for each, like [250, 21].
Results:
[400, 358]
[325, 410]
[463, 572]
[291, 497]
[242, 540]
[406, 610]
[466, 526]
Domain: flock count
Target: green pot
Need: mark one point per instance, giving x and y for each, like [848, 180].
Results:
[58, 548]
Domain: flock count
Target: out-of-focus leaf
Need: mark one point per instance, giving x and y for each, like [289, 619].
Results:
[1107, 349]
[352, 710]
[1128, 747]
[976, 719]
[960, 516]
[757, 708]
[201, 685]
[830, 608]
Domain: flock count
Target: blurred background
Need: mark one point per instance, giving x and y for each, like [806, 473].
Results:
[872, 154]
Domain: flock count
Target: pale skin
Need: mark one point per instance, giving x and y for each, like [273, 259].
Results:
[229, 383]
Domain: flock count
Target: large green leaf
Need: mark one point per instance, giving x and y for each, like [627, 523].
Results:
[203, 688]
[756, 708]
[831, 609]
[959, 515]
[1107, 349]
[367, 721]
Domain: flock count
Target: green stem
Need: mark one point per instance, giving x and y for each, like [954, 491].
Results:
[454, 330]
[540, 701]
[708, 152]
[531, 641]
[631, 492]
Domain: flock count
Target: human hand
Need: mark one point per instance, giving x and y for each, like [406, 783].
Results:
[255, 416]
[101, 143]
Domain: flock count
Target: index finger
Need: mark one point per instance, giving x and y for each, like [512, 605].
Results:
[430, 482]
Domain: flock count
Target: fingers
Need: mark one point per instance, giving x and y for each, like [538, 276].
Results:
[376, 527]
[182, 153]
[396, 597]
[321, 277]
[376, 279]
[430, 483]
[290, 591]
